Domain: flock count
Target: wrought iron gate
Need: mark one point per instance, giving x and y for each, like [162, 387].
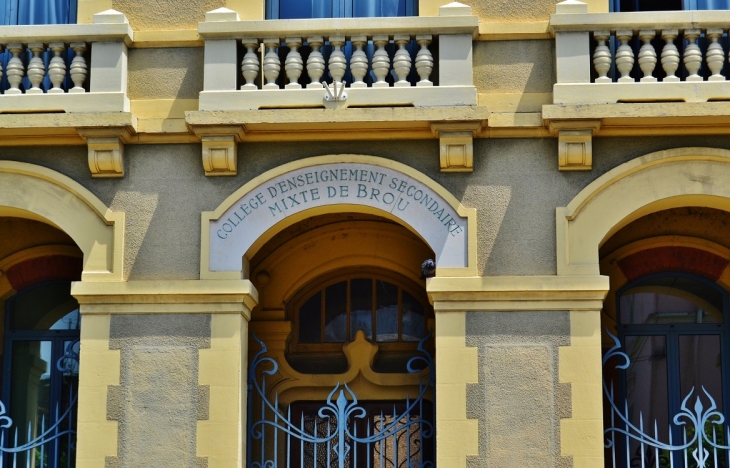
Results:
[343, 432]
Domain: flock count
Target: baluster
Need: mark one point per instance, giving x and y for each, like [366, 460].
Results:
[315, 62]
[647, 56]
[715, 55]
[602, 56]
[15, 69]
[293, 63]
[57, 67]
[1, 77]
[424, 60]
[272, 64]
[402, 61]
[79, 69]
[625, 56]
[36, 69]
[692, 55]
[670, 55]
[338, 62]
[381, 62]
[250, 67]
[359, 62]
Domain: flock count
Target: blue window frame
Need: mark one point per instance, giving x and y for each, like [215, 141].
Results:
[40, 377]
[300, 9]
[674, 330]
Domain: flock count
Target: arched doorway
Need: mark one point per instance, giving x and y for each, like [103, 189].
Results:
[40, 344]
[667, 341]
[651, 226]
[343, 311]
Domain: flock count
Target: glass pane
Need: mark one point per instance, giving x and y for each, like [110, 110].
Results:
[30, 405]
[647, 384]
[671, 299]
[361, 307]
[413, 321]
[335, 313]
[310, 320]
[42, 307]
[69, 391]
[700, 367]
[387, 311]
[70, 321]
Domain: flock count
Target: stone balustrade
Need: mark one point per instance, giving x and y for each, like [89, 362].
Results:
[347, 62]
[40, 78]
[639, 57]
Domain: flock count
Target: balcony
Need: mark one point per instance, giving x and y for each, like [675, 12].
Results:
[674, 56]
[40, 80]
[351, 78]
[338, 63]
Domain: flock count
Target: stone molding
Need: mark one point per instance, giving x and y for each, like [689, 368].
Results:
[575, 143]
[456, 145]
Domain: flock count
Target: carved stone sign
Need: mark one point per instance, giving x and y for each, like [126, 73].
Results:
[377, 187]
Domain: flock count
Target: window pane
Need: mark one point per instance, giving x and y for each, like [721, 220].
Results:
[361, 307]
[42, 307]
[646, 383]
[30, 389]
[700, 366]
[671, 299]
[387, 312]
[335, 313]
[413, 320]
[310, 320]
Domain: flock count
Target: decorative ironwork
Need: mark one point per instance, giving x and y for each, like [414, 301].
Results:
[703, 433]
[43, 440]
[331, 437]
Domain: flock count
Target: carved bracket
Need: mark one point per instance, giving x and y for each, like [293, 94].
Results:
[456, 145]
[575, 144]
[106, 150]
[220, 149]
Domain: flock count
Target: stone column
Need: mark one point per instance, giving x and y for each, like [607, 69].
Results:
[163, 373]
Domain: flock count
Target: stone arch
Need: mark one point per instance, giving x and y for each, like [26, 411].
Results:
[38, 193]
[343, 183]
[654, 182]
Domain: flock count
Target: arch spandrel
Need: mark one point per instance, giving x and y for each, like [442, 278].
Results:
[340, 183]
[650, 183]
[41, 194]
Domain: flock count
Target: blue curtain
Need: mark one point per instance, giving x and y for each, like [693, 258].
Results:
[37, 12]
[713, 5]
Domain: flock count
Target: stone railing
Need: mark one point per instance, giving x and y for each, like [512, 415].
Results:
[39, 77]
[348, 62]
[639, 57]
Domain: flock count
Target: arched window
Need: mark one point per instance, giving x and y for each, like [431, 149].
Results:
[388, 308]
[673, 329]
[40, 376]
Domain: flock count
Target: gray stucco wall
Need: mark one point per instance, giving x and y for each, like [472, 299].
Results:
[518, 400]
[515, 187]
[158, 402]
[165, 73]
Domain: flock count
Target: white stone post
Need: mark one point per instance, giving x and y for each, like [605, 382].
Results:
[109, 59]
[79, 68]
[381, 62]
[455, 51]
[15, 69]
[692, 54]
[572, 49]
[602, 56]
[338, 62]
[220, 70]
[293, 63]
[272, 63]
[424, 60]
[715, 55]
[402, 60]
[647, 56]
[36, 68]
[250, 66]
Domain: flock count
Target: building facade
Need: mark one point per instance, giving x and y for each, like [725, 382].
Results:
[216, 216]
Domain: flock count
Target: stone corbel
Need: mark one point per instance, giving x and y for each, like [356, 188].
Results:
[456, 145]
[220, 149]
[575, 143]
[106, 150]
